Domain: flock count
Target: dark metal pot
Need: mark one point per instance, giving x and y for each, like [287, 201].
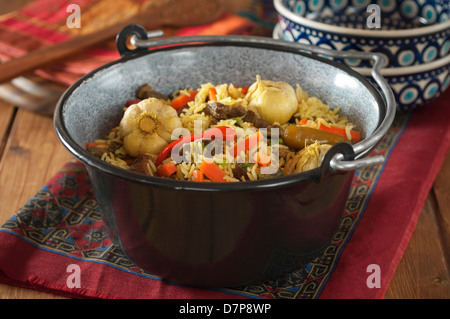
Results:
[222, 234]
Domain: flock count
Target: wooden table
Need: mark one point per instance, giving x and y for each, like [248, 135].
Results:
[30, 154]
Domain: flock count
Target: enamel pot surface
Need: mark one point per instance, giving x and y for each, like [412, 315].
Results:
[221, 234]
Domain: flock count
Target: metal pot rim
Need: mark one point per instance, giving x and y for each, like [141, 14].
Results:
[268, 184]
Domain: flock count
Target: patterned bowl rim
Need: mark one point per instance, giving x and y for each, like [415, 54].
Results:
[407, 70]
[406, 33]
[396, 71]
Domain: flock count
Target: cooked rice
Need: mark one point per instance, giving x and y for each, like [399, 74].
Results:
[309, 108]
[314, 109]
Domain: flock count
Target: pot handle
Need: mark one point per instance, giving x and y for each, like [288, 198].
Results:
[349, 163]
[143, 40]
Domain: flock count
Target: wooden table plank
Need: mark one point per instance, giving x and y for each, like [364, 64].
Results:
[7, 113]
[11, 292]
[423, 271]
[442, 193]
[33, 154]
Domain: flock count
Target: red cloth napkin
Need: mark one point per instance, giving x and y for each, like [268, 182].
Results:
[391, 214]
[61, 226]
[44, 22]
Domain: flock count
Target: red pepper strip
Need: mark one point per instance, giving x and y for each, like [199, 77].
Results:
[222, 131]
[248, 143]
[355, 135]
[131, 102]
[183, 99]
[168, 149]
[244, 88]
[166, 170]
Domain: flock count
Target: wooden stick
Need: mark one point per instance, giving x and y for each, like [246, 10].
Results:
[171, 13]
[43, 57]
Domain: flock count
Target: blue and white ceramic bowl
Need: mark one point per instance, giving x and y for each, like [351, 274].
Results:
[418, 85]
[394, 14]
[413, 35]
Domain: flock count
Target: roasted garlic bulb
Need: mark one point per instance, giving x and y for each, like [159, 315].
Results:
[308, 158]
[275, 102]
[146, 127]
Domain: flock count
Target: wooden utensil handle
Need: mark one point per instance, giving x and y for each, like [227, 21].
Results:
[151, 16]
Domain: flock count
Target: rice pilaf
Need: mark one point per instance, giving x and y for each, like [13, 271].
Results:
[182, 120]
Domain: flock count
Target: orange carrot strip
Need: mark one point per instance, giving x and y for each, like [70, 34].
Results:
[262, 159]
[213, 172]
[303, 122]
[212, 94]
[197, 176]
[93, 144]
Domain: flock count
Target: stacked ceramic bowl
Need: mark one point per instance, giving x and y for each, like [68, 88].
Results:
[413, 35]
